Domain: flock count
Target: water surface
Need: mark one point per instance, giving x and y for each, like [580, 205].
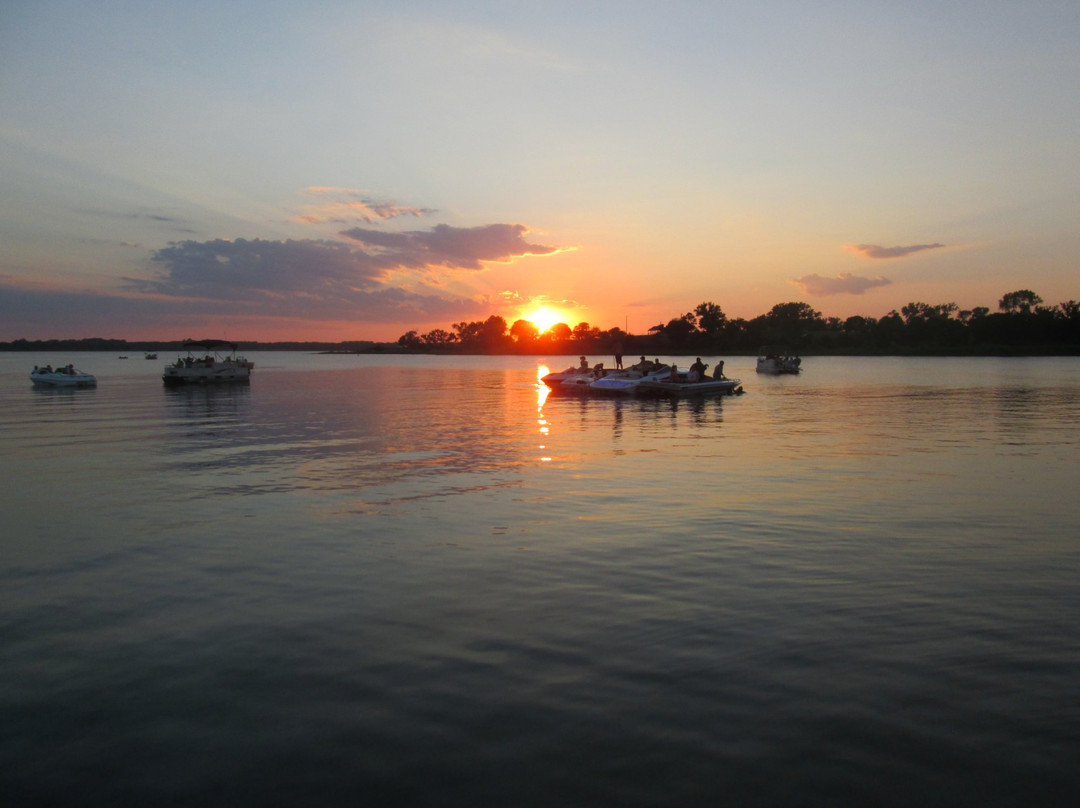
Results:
[423, 581]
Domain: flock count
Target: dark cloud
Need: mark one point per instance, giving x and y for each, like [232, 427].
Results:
[222, 267]
[876, 251]
[256, 280]
[455, 247]
[843, 284]
[37, 313]
[319, 280]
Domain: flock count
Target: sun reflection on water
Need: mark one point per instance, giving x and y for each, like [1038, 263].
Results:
[542, 391]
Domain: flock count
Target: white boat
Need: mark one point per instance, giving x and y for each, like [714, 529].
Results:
[682, 387]
[777, 360]
[572, 377]
[61, 377]
[576, 380]
[626, 382]
[217, 364]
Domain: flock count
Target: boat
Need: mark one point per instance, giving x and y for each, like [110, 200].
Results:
[681, 387]
[61, 377]
[571, 377]
[218, 364]
[150, 355]
[585, 380]
[576, 379]
[626, 382]
[777, 360]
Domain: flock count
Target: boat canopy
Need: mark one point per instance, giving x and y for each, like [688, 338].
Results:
[209, 344]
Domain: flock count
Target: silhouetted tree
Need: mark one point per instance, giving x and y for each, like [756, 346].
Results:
[438, 336]
[710, 319]
[493, 332]
[584, 331]
[1022, 301]
[559, 332]
[524, 331]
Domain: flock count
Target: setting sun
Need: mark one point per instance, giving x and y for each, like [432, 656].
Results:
[543, 318]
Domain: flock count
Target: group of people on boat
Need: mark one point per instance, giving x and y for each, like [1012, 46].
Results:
[696, 373]
[190, 361]
[67, 370]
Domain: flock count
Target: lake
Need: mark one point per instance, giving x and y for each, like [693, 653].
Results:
[404, 580]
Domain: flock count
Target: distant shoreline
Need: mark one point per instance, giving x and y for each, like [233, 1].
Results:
[569, 350]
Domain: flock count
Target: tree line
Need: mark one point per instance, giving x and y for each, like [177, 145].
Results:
[1021, 325]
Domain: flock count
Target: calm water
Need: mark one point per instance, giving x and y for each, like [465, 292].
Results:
[416, 581]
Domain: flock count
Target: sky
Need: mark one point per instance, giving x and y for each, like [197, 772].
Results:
[354, 170]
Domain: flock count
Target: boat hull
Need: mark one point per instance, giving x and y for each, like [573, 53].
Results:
[712, 387]
[175, 377]
[67, 380]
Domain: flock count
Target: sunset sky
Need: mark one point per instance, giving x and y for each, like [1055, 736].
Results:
[353, 170]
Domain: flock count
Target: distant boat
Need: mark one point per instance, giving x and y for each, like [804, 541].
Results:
[150, 355]
[777, 361]
[61, 377]
[218, 364]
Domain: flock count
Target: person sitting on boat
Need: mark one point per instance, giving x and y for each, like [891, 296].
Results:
[674, 377]
[642, 364]
[583, 365]
[718, 371]
[697, 371]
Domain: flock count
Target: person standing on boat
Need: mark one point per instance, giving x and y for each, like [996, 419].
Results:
[718, 372]
[618, 356]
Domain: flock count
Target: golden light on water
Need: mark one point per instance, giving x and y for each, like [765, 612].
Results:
[542, 391]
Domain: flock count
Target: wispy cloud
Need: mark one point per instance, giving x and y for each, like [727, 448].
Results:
[877, 251]
[347, 205]
[455, 247]
[843, 284]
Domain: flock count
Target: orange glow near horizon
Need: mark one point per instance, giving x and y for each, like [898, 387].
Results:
[544, 317]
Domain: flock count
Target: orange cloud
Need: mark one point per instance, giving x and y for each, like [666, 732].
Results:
[843, 284]
[877, 251]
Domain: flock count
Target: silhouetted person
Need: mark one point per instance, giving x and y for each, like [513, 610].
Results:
[697, 371]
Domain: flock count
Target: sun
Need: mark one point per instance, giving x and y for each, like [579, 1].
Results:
[543, 318]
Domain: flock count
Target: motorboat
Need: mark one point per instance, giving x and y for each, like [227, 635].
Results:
[777, 360]
[626, 382]
[61, 377]
[679, 385]
[576, 379]
[572, 377]
[218, 363]
[150, 355]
